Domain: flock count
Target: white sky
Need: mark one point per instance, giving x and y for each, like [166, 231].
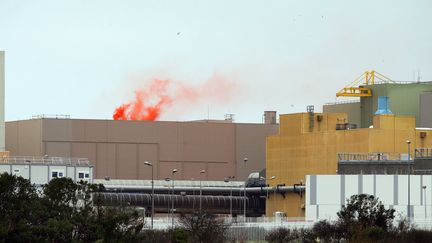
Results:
[84, 58]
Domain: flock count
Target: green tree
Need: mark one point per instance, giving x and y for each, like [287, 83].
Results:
[364, 212]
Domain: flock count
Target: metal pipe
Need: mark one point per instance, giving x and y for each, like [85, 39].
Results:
[214, 204]
[205, 190]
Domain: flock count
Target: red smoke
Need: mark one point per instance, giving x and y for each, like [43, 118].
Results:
[150, 102]
[141, 108]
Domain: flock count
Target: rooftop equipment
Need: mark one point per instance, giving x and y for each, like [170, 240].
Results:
[383, 106]
[356, 88]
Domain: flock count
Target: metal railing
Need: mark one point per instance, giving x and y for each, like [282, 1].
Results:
[45, 160]
[423, 152]
[55, 116]
[358, 157]
[342, 102]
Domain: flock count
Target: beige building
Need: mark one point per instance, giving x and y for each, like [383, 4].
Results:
[118, 149]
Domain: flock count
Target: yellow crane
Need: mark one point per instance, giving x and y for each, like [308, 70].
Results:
[356, 88]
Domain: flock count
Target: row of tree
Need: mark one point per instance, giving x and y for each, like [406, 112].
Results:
[62, 211]
[65, 211]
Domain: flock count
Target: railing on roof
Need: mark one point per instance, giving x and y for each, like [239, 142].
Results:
[342, 102]
[357, 157]
[423, 152]
[46, 160]
[55, 116]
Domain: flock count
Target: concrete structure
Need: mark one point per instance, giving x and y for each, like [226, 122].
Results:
[40, 170]
[406, 99]
[308, 144]
[426, 109]
[325, 194]
[118, 148]
[351, 108]
[385, 163]
[2, 101]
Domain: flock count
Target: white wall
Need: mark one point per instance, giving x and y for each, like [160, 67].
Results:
[325, 194]
[40, 174]
[2, 100]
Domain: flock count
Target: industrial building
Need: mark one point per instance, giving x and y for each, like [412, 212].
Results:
[391, 190]
[40, 170]
[406, 99]
[309, 144]
[118, 149]
[2, 101]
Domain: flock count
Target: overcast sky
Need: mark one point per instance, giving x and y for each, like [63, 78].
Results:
[84, 58]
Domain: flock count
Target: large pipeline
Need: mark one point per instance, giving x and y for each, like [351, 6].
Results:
[238, 191]
[185, 203]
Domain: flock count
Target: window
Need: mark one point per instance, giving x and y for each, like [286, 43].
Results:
[83, 175]
[57, 174]
[16, 171]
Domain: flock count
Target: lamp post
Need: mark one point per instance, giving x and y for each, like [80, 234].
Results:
[274, 193]
[424, 189]
[172, 198]
[152, 195]
[409, 182]
[169, 193]
[193, 193]
[202, 172]
[244, 191]
[229, 179]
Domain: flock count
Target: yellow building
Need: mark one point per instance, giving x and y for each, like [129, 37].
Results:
[308, 143]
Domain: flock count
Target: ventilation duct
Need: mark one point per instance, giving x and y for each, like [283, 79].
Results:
[383, 106]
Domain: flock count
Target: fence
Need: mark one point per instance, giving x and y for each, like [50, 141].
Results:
[257, 228]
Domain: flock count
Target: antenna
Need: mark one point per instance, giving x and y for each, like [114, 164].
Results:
[418, 76]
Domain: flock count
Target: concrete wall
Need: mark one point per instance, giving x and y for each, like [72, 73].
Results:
[2, 100]
[352, 109]
[426, 109]
[404, 100]
[119, 148]
[325, 194]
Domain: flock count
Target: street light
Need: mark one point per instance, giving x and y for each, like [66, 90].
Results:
[409, 182]
[202, 172]
[172, 198]
[152, 195]
[274, 194]
[424, 189]
[229, 179]
[193, 193]
[169, 194]
[244, 191]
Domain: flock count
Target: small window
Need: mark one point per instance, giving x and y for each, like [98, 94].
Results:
[54, 174]
[60, 174]
[87, 175]
[16, 171]
[81, 175]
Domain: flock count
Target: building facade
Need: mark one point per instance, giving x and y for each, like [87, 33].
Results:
[118, 149]
[418, 104]
[309, 144]
[40, 170]
[326, 194]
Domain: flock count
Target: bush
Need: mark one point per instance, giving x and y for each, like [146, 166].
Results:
[203, 227]
[282, 235]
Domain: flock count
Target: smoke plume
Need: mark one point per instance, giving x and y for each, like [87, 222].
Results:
[162, 95]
